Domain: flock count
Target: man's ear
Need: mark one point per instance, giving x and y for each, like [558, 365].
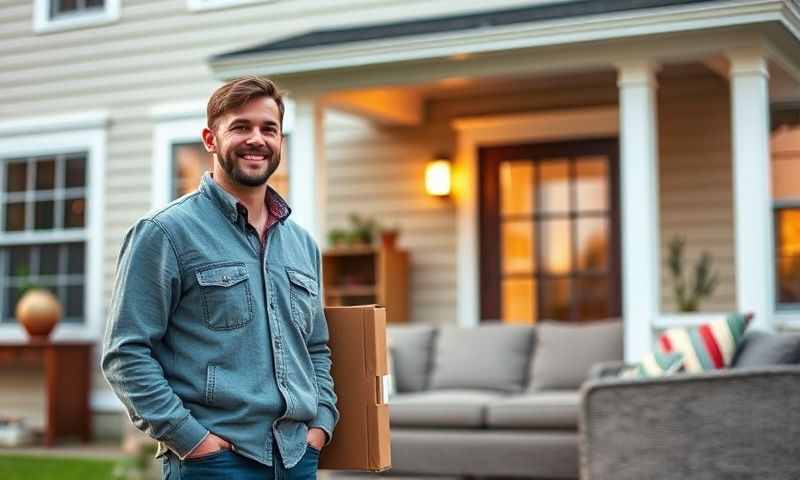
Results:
[209, 141]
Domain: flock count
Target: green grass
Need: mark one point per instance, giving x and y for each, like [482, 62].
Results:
[47, 468]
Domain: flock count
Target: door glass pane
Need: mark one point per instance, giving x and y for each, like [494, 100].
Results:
[556, 298]
[788, 223]
[190, 161]
[43, 219]
[554, 186]
[516, 187]
[45, 174]
[11, 297]
[15, 216]
[518, 247]
[594, 297]
[75, 172]
[74, 303]
[591, 183]
[556, 246]
[592, 244]
[94, 3]
[74, 213]
[16, 177]
[519, 297]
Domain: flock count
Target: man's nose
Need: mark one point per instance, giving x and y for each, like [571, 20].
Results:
[255, 138]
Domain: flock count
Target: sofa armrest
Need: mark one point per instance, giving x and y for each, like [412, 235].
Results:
[736, 423]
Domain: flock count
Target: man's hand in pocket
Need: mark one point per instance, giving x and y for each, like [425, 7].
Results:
[211, 444]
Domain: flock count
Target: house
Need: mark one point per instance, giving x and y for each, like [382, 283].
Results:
[583, 136]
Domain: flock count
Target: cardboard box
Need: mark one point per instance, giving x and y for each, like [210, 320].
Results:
[359, 354]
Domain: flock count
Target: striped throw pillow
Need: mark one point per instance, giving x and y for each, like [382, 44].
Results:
[655, 364]
[706, 347]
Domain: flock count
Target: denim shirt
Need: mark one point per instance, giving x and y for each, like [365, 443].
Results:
[209, 331]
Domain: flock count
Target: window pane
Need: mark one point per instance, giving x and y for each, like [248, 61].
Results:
[16, 177]
[591, 183]
[74, 213]
[75, 172]
[592, 244]
[11, 297]
[788, 224]
[556, 246]
[94, 3]
[594, 295]
[190, 161]
[519, 297]
[280, 179]
[789, 232]
[19, 260]
[15, 216]
[48, 259]
[554, 186]
[75, 258]
[516, 187]
[518, 247]
[43, 219]
[556, 298]
[45, 174]
[73, 306]
[789, 280]
[61, 6]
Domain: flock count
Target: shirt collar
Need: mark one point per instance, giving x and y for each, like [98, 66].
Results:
[229, 205]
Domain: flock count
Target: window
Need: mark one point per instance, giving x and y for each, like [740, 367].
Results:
[57, 15]
[785, 148]
[50, 185]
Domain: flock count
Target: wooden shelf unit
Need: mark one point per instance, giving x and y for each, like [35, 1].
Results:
[363, 275]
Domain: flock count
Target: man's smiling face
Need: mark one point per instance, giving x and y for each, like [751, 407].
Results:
[247, 141]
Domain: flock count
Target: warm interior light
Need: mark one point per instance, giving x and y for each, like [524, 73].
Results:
[437, 178]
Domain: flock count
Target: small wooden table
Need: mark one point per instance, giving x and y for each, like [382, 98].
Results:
[67, 371]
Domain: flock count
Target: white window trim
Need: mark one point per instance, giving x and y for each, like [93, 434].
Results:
[81, 132]
[183, 123]
[42, 23]
[205, 5]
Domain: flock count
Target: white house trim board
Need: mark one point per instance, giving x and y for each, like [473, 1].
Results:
[42, 23]
[473, 133]
[24, 140]
[639, 202]
[753, 222]
[307, 175]
[697, 17]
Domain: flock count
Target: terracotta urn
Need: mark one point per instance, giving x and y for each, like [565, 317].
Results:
[38, 311]
[389, 238]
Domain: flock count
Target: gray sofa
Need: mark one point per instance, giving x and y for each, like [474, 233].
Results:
[493, 400]
[742, 422]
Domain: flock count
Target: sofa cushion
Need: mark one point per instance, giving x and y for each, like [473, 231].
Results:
[759, 349]
[488, 357]
[565, 352]
[443, 408]
[655, 364]
[552, 409]
[706, 347]
[411, 347]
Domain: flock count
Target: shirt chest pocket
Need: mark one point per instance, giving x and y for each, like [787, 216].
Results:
[226, 299]
[303, 294]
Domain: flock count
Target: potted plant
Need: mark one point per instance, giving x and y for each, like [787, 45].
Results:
[690, 293]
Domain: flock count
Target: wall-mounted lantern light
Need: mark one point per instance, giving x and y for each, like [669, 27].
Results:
[438, 177]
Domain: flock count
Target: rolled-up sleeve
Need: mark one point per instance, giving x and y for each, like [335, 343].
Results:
[146, 291]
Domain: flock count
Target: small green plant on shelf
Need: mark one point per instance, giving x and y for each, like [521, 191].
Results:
[689, 293]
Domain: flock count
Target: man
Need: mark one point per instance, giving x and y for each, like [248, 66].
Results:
[217, 341]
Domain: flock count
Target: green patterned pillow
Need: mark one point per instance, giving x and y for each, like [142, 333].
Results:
[706, 347]
[655, 364]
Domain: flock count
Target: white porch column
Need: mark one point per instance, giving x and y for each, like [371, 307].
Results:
[307, 174]
[752, 197]
[639, 191]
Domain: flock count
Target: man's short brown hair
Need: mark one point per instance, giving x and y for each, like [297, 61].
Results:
[238, 92]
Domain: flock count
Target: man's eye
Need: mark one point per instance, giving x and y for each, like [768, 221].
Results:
[239, 128]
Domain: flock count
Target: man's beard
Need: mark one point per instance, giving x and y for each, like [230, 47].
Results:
[235, 172]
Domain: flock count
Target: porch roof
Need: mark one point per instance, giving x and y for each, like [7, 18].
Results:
[453, 23]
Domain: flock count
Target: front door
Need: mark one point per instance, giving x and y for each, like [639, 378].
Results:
[549, 229]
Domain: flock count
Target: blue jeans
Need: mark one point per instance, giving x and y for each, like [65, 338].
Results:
[228, 465]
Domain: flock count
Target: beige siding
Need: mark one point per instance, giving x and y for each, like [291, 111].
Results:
[695, 179]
